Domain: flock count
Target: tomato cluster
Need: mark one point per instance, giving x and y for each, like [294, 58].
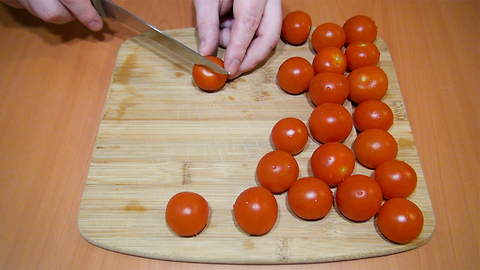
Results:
[344, 68]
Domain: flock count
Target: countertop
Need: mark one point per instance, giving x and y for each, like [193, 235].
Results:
[53, 85]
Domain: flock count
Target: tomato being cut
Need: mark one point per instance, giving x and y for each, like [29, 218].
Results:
[327, 87]
[296, 27]
[396, 178]
[330, 122]
[256, 211]
[372, 114]
[358, 197]
[332, 162]
[400, 220]
[206, 79]
[290, 135]
[362, 53]
[187, 213]
[374, 147]
[310, 198]
[277, 171]
[330, 59]
[367, 83]
[360, 28]
[295, 74]
[328, 35]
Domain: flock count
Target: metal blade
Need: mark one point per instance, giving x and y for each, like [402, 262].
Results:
[108, 9]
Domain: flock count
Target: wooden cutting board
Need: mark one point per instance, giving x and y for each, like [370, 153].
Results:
[160, 135]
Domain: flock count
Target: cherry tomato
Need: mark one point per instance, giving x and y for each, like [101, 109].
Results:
[396, 178]
[374, 147]
[358, 197]
[360, 28]
[332, 162]
[290, 135]
[330, 122]
[277, 171]
[400, 220]
[361, 54]
[256, 211]
[206, 79]
[330, 59]
[187, 213]
[310, 198]
[327, 87]
[328, 35]
[295, 74]
[296, 27]
[366, 83]
[372, 114]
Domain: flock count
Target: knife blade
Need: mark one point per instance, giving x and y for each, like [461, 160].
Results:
[108, 9]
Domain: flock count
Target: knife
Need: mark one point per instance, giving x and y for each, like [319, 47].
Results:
[108, 9]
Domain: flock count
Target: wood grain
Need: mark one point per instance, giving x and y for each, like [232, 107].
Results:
[160, 135]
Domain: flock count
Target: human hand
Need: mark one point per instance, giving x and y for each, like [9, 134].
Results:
[61, 11]
[248, 29]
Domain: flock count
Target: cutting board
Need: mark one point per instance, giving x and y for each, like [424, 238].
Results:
[160, 135]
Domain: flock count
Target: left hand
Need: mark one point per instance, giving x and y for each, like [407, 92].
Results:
[248, 29]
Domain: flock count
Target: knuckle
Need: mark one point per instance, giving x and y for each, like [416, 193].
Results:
[250, 22]
[52, 16]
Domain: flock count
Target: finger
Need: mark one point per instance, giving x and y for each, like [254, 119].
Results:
[49, 10]
[207, 25]
[226, 23]
[268, 35]
[84, 11]
[248, 14]
[224, 37]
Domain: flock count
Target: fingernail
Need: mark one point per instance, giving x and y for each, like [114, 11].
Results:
[233, 68]
[95, 25]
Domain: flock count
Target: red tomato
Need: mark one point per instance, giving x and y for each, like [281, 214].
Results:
[296, 27]
[310, 198]
[328, 35]
[327, 87]
[396, 178]
[372, 114]
[330, 122]
[256, 211]
[360, 28]
[277, 171]
[206, 79]
[332, 162]
[187, 213]
[374, 147]
[400, 220]
[290, 135]
[358, 197]
[330, 59]
[361, 54]
[295, 74]
[367, 83]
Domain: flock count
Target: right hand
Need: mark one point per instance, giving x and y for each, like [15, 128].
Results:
[61, 11]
